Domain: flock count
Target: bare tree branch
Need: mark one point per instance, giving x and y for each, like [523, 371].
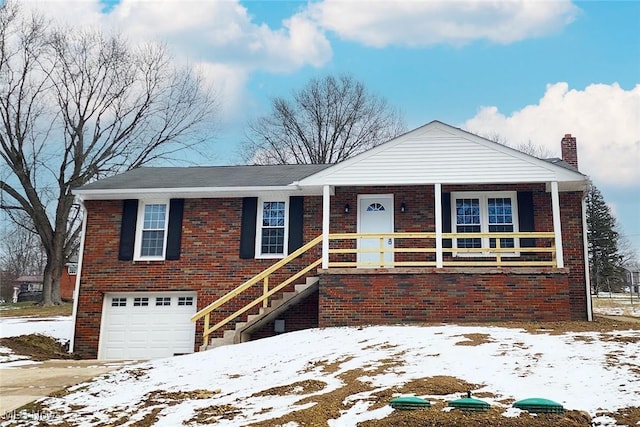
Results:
[327, 121]
[79, 105]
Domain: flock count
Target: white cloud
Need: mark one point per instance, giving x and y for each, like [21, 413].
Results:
[424, 23]
[604, 118]
[220, 34]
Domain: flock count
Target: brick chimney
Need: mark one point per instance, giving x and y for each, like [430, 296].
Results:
[570, 150]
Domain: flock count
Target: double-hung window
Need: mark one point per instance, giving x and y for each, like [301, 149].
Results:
[271, 239]
[151, 241]
[494, 212]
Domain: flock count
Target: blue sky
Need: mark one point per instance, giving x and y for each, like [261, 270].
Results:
[525, 70]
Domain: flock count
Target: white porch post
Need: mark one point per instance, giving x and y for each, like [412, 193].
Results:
[438, 206]
[557, 228]
[326, 213]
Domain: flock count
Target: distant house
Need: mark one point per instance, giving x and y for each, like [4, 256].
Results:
[29, 288]
[632, 278]
[436, 225]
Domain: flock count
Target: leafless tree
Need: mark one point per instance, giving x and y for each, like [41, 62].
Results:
[21, 252]
[539, 151]
[78, 105]
[327, 121]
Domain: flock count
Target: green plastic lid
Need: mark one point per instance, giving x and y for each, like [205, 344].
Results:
[409, 402]
[470, 404]
[537, 404]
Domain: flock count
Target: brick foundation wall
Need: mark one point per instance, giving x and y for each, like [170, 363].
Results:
[388, 296]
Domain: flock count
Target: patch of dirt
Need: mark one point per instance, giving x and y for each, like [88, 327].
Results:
[211, 414]
[436, 417]
[599, 324]
[162, 398]
[36, 346]
[300, 387]
[627, 416]
[474, 339]
[619, 338]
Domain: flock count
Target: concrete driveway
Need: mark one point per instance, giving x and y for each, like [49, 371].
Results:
[20, 385]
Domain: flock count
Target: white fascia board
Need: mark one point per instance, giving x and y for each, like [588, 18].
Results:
[193, 193]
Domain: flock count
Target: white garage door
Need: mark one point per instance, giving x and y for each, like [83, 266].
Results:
[147, 325]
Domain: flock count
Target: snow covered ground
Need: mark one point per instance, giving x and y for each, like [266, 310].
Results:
[59, 327]
[589, 371]
[616, 305]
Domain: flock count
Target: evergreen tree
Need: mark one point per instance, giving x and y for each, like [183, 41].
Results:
[605, 260]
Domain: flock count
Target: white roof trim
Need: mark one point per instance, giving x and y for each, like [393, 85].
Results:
[193, 193]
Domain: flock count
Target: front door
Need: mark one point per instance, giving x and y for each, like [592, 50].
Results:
[375, 215]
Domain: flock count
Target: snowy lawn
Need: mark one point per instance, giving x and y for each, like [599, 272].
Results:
[616, 305]
[59, 327]
[279, 380]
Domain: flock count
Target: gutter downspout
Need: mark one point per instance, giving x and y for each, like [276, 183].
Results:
[587, 275]
[76, 290]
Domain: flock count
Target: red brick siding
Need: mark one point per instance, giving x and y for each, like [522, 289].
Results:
[67, 284]
[420, 216]
[210, 263]
[448, 296]
[573, 251]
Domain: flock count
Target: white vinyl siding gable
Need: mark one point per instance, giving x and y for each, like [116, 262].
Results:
[438, 153]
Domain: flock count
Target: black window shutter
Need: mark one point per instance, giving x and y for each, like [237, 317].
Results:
[128, 229]
[445, 200]
[525, 217]
[296, 215]
[248, 227]
[174, 233]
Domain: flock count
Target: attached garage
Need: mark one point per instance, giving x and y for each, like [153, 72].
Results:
[147, 325]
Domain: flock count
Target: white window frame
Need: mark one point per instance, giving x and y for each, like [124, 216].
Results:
[483, 197]
[259, 217]
[72, 268]
[139, 225]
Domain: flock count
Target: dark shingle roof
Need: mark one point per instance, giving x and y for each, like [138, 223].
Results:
[206, 177]
[560, 162]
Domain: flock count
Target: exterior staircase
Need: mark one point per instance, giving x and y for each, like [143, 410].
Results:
[242, 330]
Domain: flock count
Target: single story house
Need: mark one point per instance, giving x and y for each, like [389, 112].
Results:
[436, 225]
[29, 288]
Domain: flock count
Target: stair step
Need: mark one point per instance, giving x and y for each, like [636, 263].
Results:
[301, 287]
[311, 280]
[275, 303]
[231, 336]
[214, 343]
[228, 335]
